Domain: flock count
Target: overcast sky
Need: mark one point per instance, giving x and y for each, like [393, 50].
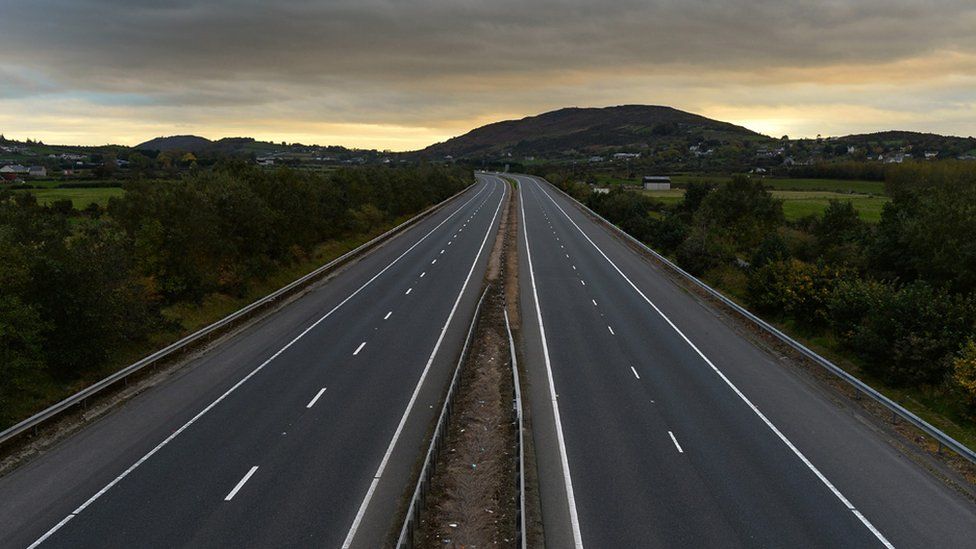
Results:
[401, 74]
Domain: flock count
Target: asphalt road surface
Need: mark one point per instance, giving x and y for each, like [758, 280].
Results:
[302, 430]
[656, 424]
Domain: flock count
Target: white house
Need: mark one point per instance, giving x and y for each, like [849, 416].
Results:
[37, 171]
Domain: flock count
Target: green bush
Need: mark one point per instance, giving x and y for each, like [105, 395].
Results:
[795, 289]
[964, 372]
[906, 334]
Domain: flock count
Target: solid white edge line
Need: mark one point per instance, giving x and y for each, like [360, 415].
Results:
[234, 387]
[360, 348]
[423, 376]
[240, 484]
[315, 398]
[635, 372]
[567, 478]
[675, 441]
[796, 451]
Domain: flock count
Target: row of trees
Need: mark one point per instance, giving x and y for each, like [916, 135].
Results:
[77, 286]
[899, 295]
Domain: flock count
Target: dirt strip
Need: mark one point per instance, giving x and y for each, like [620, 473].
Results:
[473, 493]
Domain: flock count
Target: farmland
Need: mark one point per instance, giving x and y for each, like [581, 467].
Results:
[79, 197]
[799, 204]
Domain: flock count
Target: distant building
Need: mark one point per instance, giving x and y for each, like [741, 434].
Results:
[596, 159]
[37, 171]
[625, 156]
[657, 183]
[601, 190]
[929, 155]
[13, 168]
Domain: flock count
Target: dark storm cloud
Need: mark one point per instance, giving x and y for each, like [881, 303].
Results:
[446, 62]
[109, 44]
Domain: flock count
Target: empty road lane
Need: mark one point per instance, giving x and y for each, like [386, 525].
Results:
[302, 430]
[657, 424]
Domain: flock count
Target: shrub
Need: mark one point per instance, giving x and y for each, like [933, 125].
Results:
[964, 372]
[905, 335]
[794, 288]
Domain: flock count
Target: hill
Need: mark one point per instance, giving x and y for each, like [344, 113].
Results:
[589, 130]
[192, 143]
[948, 146]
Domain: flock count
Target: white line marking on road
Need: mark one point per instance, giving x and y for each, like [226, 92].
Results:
[408, 291]
[567, 478]
[594, 303]
[434, 261]
[360, 348]
[51, 532]
[423, 376]
[611, 330]
[442, 251]
[583, 282]
[387, 315]
[241, 483]
[423, 274]
[796, 451]
[315, 398]
[574, 267]
[635, 372]
[675, 441]
[243, 380]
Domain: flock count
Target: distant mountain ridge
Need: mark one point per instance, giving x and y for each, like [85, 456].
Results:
[191, 143]
[586, 129]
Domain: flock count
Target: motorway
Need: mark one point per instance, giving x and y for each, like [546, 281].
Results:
[657, 424]
[301, 430]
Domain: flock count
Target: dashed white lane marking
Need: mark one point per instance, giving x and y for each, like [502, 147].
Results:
[779, 434]
[242, 381]
[442, 251]
[635, 372]
[387, 315]
[413, 397]
[315, 398]
[241, 483]
[594, 303]
[423, 274]
[567, 256]
[574, 267]
[360, 348]
[553, 396]
[583, 282]
[434, 261]
[611, 330]
[408, 291]
[675, 441]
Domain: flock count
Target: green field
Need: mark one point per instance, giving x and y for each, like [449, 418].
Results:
[779, 184]
[798, 204]
[78, 197]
